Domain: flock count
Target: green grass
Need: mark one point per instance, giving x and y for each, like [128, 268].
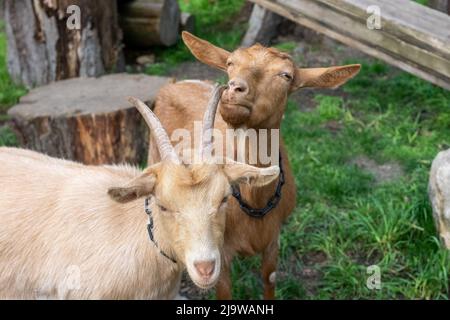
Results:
[286, 46]
[9, 94]
[342, 213]
[8, 137]
[212, 23]
[423, 2]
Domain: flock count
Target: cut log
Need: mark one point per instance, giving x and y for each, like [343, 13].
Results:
[187, 22]
[88, 119]
[412, 37]
[46, 43]
[147, 23]
[262, 27]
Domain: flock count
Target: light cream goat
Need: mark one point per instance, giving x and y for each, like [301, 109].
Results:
[72, 231]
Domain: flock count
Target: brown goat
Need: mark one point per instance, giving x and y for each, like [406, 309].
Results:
[72, 231]
[260, 80]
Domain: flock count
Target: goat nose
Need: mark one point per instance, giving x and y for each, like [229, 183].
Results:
[205, 268]
[238, 86]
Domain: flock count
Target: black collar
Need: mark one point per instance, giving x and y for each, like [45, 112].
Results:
[271, 204]
[150, 229]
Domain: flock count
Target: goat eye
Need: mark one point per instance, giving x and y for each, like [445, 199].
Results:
[229, 64]
[164, 209]
[286, 76]
[224, 200]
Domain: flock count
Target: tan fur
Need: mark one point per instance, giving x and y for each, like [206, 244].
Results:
[178, 105]
[55, 214]
[63, 237]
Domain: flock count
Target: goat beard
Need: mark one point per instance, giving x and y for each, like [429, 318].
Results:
[234, 114]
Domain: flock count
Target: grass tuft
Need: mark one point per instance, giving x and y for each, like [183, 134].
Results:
[212, 23]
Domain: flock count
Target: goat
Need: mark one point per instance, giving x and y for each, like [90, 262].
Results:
[439, 194]
[260, 80]
[72, 231]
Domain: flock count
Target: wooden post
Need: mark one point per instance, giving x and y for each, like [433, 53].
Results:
[150, 22]
[43, 46]
[262, 27]
[441, 5]
[187, 22]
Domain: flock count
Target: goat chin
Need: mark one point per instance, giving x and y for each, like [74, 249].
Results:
[235, 114]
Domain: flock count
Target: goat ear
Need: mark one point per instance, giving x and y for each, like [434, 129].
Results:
[240, 173]
[136, 188]
[206, 52]
[331, 77]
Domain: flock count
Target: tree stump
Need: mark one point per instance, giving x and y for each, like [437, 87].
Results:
[262, 27]
[46, 43]
[147, 23]
[88, 119]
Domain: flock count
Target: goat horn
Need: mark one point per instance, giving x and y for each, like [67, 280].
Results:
[165, 148]
[208, 119]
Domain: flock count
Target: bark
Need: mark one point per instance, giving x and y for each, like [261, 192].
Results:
[44, 47]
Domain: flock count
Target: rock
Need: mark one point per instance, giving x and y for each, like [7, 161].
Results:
[88, 119]
[145, 59]
[439, 193]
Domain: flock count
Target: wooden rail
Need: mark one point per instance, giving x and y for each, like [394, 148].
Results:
[412, 37]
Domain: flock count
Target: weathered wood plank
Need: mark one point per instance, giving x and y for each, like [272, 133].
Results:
[405, 19]
[421, 48]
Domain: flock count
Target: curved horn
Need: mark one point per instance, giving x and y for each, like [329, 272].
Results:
[165, 148]
[208, 119]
